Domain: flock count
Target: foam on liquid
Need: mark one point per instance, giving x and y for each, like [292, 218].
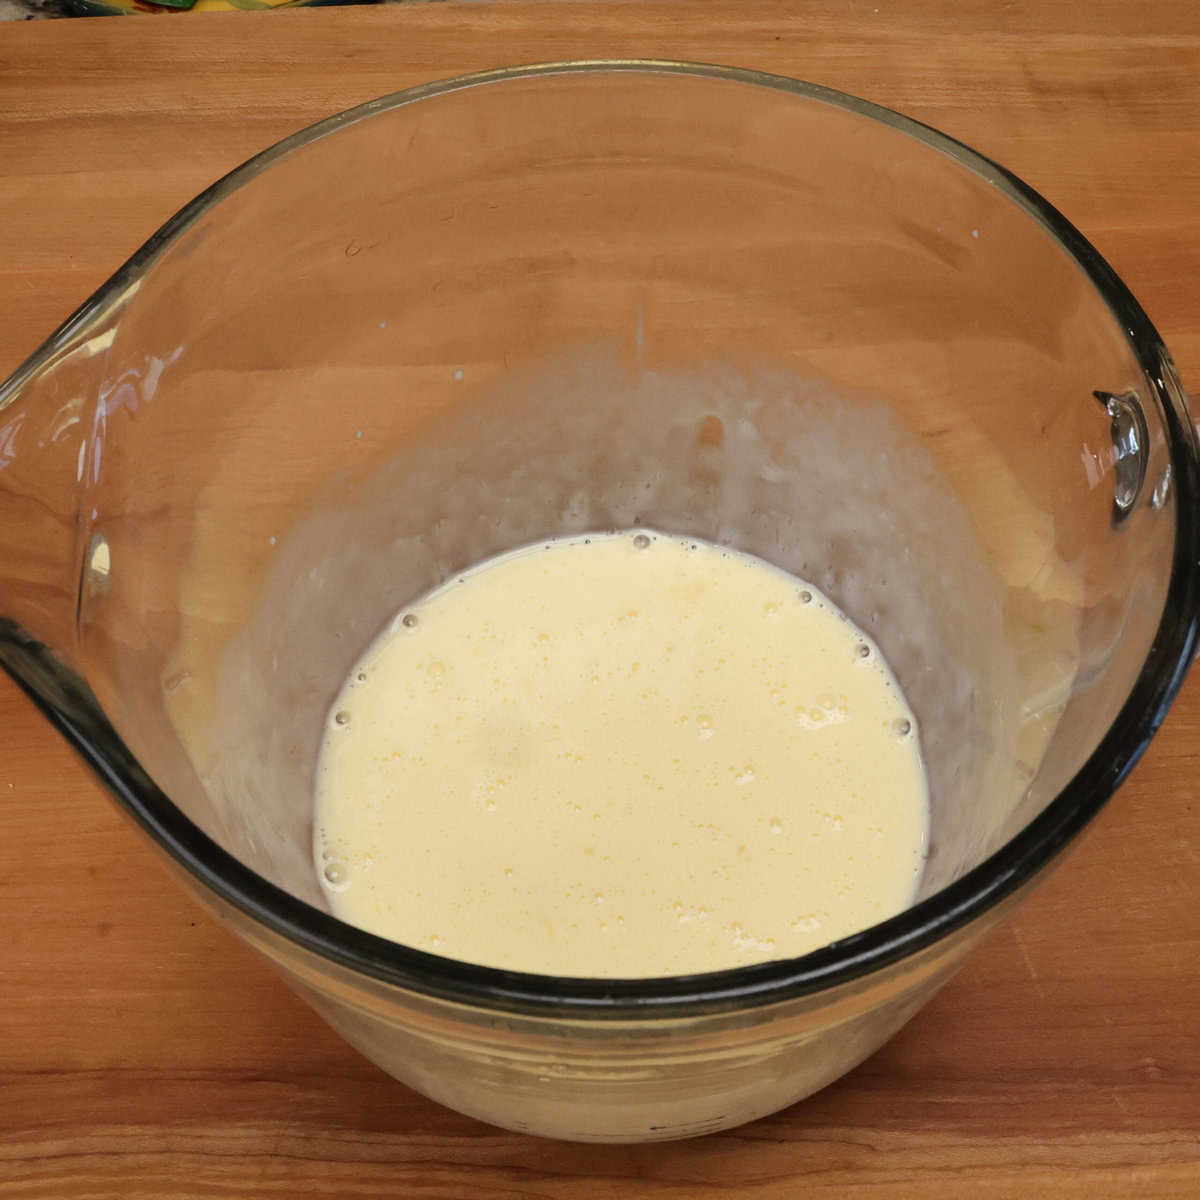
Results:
[620, 755]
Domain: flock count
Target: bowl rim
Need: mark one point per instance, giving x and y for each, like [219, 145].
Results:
[955, 906]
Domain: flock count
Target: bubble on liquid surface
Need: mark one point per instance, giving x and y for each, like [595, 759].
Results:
[863, 651]
[902, 727]
[641, 541]
[806, 597]
[409, 621]
[336, 876]
[341, 717]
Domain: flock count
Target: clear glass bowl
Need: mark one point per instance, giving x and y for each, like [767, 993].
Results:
[531, 302]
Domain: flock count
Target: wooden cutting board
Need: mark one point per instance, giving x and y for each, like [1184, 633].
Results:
[145, 1053]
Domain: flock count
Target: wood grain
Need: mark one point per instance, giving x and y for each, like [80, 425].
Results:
[144, 1053]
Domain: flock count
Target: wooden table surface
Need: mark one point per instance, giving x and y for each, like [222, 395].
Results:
[145, 1053]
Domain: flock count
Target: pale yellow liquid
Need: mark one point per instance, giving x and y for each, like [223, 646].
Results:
[624, 755]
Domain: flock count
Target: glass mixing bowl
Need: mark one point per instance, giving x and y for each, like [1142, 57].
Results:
[586, 296]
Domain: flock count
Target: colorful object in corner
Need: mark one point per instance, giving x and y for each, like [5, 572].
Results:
[95, 8]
